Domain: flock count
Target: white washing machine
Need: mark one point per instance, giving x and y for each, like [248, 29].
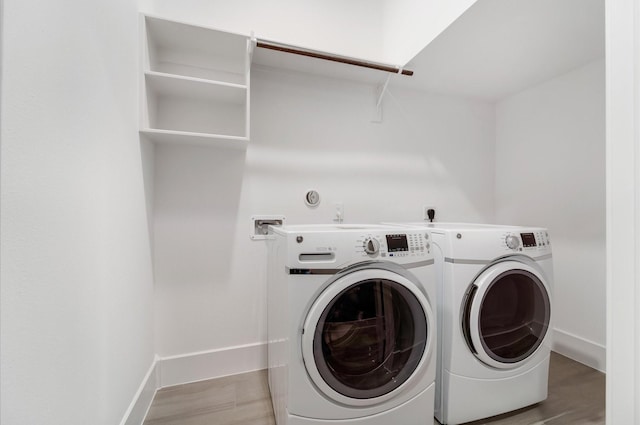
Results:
[494, 315]
[351, 325]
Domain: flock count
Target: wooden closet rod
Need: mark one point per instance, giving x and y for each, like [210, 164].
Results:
[334, 58]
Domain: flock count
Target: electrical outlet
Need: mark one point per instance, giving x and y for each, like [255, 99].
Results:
[425, 212]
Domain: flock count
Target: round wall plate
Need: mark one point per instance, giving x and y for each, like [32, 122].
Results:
[312, 198]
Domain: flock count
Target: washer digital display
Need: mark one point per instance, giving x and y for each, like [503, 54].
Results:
[397, 243]
[528, 240]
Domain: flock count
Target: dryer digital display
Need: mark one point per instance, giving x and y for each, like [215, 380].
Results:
[528, 240]
[397, 243]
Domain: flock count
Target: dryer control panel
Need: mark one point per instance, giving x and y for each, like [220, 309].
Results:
[519, 241]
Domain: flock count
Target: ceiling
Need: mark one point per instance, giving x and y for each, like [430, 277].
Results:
[500, 47]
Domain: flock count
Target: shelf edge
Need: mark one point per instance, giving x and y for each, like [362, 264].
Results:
[173, 137]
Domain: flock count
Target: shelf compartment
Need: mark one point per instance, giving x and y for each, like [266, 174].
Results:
[192, 106]
[193, 51]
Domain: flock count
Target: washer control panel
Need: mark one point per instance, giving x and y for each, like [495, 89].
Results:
[394, 245]
[329, 247]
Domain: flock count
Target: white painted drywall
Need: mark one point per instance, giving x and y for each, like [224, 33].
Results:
[351, 28]
[409, 25]
[76, 296]
[550, 171]
[307, 132]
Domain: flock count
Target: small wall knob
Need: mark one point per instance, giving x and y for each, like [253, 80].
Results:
[312, 198]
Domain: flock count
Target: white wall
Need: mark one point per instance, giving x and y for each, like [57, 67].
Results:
[307, 132]
[76, 296]
[550, 171]
[409, 25]
[351, 28]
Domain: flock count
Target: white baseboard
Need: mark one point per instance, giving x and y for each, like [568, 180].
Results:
[203, 365]
[141, 403]
[579, 349]
[193, 367]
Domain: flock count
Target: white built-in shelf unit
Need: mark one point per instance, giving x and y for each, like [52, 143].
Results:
[195, 86]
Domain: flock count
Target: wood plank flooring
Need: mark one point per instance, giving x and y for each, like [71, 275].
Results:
[233, 400]
[576, 396]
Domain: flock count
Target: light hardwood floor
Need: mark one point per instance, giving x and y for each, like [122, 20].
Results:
[576, 396]
[238, 400]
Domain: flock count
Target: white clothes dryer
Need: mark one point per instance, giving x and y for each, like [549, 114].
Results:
[494, 312]
[351, 325]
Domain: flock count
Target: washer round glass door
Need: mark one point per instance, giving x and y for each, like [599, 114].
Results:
[507, 314]
[367, 335]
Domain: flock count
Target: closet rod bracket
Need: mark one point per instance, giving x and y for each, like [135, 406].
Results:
[380, 91]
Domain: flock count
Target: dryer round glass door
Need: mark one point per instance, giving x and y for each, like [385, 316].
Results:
[507, 314]
[366, 336]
